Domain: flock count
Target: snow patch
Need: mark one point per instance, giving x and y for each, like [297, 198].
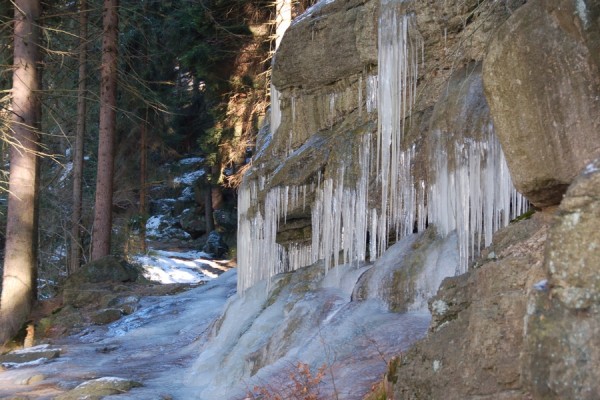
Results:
[190, 178]
[179, 267]
[68, 168]
[187, 194]
[191, 161]
[34, 349]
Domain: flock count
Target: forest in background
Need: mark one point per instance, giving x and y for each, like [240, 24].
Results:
[192, 78]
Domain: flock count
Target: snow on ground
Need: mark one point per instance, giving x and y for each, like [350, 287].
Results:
[164, 227]
[179, 267]
[154, 345]
[67, 171]
[189, 178]
[187, 194]
[191, 161]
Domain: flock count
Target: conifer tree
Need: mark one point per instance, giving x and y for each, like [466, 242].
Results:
[101, 234]
[79, 140]
[20, 262]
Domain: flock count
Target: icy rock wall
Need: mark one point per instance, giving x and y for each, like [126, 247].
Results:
[310, 316]
[349, 187]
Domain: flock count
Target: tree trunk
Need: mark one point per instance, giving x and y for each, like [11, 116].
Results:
[20, 262]
[208, 207]
[101, 233]
[143, 173]
[79, 139]
[283, 19]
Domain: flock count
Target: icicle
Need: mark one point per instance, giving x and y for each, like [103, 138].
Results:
[475, 196]
[397, 79]
[372, 93]
[331, 109]
[471, 192]
[293, 101]
[360, 95]
[275, 110]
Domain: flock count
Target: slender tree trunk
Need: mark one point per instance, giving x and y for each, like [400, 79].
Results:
[208, 208]
[79, 139]
[20, 262]
[215, 188]
[101, 233]
[143, 172]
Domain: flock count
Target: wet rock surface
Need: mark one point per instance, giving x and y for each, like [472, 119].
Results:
[99, 388]
[110, 359]
[37, 354]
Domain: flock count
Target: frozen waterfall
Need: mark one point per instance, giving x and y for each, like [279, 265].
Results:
[470, 190]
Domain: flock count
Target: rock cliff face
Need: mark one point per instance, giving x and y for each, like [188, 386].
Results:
[542, 78]
[381, 127]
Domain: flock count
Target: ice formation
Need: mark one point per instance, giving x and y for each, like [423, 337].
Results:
[275, 110]
[471, 192]
[474, 197]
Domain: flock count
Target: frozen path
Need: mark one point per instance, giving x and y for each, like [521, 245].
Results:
[154, 345]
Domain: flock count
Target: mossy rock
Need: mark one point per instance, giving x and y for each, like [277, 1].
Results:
[105, 269]
[106, 316]
[99, 388]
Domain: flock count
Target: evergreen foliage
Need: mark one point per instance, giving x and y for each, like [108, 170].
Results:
[195, 73]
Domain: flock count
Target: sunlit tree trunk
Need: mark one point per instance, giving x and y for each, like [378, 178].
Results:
[101, 233]
[143, 176]
[20, 262]
[283, 19]
[79, 139]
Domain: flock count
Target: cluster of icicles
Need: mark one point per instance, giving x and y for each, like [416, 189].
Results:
[475, 196]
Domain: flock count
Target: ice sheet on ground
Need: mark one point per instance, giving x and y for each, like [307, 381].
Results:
[175, 267]
[153, 345]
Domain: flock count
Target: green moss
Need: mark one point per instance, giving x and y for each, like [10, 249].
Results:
[282, 281]
[525, 216]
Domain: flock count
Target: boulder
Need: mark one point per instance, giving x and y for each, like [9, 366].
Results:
[227, 219]
[215, 245]
[106, 316]
[99, 388]
[193, 221]
[105, 269]
[476, 334]
[542, 81]
[563, 347]
[342, 40]
[37, 354]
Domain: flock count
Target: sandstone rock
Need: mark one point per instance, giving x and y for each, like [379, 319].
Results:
[336, 40]
[105, 269]
[563, 347]
[542, 81]
[215, 245]
[127, 304]
[106, 316]
[573, 251]
[462, 107]
[33, 379]
[98, 388]
[476, 334]
[37, 354]
[193, 222]
[83, 296]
